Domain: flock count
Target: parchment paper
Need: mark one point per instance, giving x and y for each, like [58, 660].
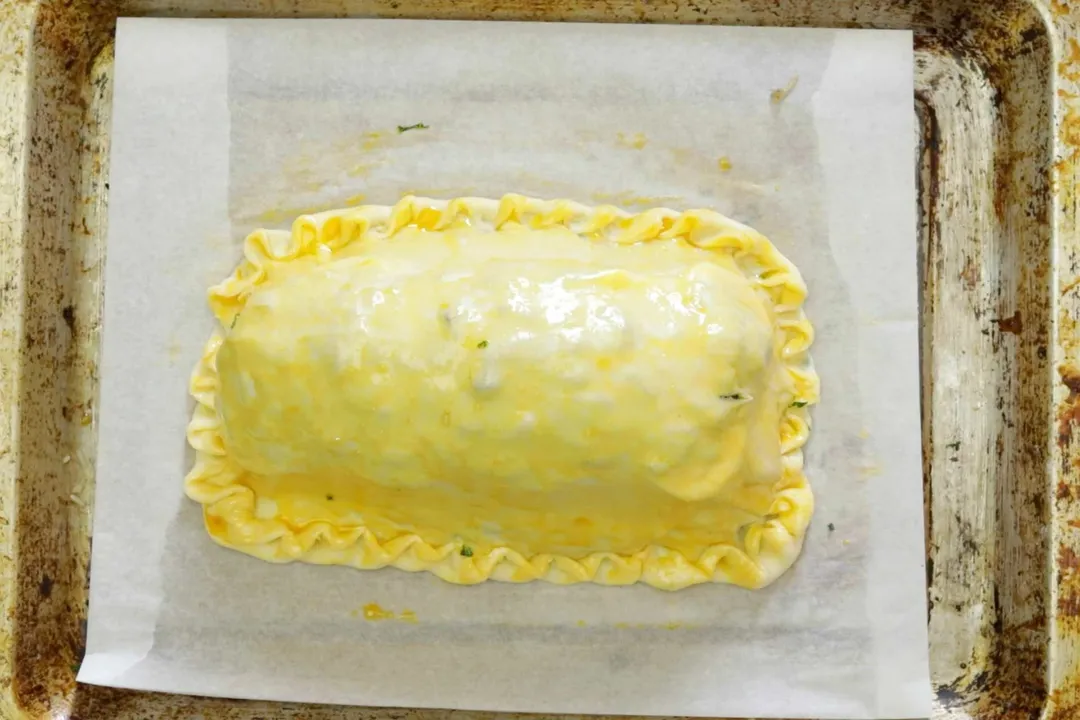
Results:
[221, 126]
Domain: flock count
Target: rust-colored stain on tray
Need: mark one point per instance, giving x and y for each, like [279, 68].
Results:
[998, 99]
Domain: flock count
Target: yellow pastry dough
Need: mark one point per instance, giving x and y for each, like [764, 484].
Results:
[510, 389]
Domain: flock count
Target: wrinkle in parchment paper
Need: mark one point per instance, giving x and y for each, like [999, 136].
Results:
[223, 126]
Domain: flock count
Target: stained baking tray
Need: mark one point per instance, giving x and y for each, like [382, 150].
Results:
[998, 99]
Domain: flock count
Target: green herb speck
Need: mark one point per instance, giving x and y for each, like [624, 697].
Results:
[466, 551]
[799, 403]
[732, 396]
[407, 128]
[234, 319]
[482, 344]
[831, 527]
[330, 497]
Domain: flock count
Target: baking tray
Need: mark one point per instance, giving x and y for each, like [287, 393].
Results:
[998, 100]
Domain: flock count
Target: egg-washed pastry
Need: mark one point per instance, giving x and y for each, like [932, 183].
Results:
[510, 389]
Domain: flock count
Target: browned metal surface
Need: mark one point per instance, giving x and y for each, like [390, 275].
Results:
[998, 98]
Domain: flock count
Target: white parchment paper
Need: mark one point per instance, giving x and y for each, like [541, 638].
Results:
[222, 126]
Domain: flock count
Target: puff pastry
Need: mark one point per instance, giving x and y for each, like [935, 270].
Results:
[510, 389]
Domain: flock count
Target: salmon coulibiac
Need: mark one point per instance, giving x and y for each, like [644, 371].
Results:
[510, 389]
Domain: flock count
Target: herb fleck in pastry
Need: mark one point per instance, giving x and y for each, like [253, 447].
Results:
[510, 389]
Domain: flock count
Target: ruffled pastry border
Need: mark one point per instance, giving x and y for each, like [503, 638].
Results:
[766, 548]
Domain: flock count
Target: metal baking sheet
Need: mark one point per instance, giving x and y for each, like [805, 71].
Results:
[998, 95]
